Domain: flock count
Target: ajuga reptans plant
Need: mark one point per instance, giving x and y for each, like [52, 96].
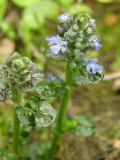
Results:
[77, 36]
[19, 76]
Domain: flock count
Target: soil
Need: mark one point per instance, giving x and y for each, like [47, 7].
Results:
[102, 104]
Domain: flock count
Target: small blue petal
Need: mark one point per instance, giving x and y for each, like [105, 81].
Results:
[95, 42]
[98, 46]
[55, 49]
[53, 39]
[52, 78]
[63, 49]
[93, 67]
[63, 17]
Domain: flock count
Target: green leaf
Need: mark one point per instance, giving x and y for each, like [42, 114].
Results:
[24, 3]
[84, 126]
[52, 88]
[5, 91]
[36, 113]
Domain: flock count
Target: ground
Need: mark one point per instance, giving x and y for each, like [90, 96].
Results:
[101, 103]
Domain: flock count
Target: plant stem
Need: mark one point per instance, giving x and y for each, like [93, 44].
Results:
[16, 129]
[61, 114]
[16, 123]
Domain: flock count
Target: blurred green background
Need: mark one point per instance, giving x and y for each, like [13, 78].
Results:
[24, 25]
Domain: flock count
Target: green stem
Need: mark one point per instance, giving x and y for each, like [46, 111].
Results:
[61, 114]
[16, 123]
[16, 128]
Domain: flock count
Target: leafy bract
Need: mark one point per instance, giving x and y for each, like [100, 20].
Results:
[51, 88]
[36, 113]
[5, 91]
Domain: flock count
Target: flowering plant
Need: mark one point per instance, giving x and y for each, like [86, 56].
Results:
[77, 35]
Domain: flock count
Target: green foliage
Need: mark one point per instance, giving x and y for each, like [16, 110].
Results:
[5, 91]
[51, 88]
[6, 156]
[19, 72]
[84, 126]
[7, 29]
[79, 126]
[36, 112]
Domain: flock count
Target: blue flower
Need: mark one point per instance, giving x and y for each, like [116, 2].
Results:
[98, 45]
[63, 17]
[57, 44]
[92, 66]
[52, 78]
[53, 39]
[95, 42]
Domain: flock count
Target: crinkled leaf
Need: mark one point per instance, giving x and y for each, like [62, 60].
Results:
[84, 126]
[82, 77]
[36, 113]
[51, 88]
[5, 91]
